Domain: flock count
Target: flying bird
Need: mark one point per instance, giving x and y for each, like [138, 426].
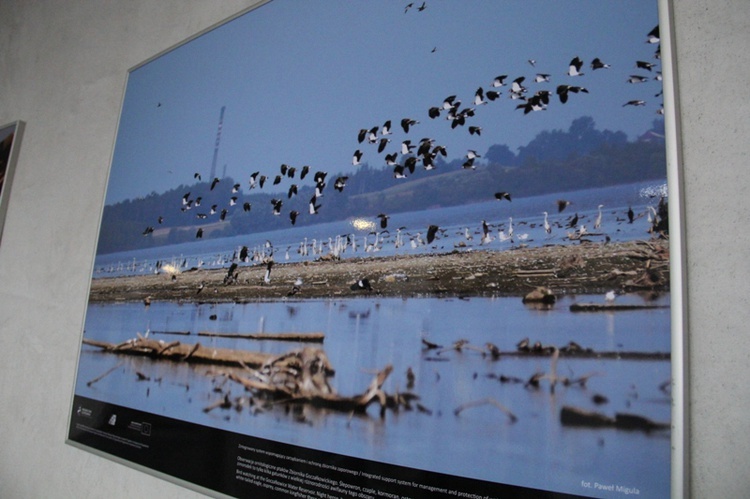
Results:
[644, 65]
[246, 207]
[431, 232]
[598, 64]
[340, 183]
[637, 79]
[253, 179]
[574, 68]
[313, 207]
[653, 35]
[293, 216]
[563, 90]
[383, 142]
[383, 220]
[304, 172]
[502, 195]
[197, 176]
[635, 103]
[562, 204]
[292, 191]
[499, 81]
[214, 182]
[199, 233]
[277, 180]
[475, 130]
[276, 206]
[406, 123]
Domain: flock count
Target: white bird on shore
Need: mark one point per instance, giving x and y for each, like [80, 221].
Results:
[598, 222]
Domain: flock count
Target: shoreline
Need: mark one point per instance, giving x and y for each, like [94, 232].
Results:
[582, 268]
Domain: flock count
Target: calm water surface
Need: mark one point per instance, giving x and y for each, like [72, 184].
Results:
[363, 335]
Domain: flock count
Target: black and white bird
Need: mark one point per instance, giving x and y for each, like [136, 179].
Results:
[277, 180]
[214, 182]
[648, 66]
[197, 176]
[382, 144]
[276, 206]
[361, 285]
[407, 147]
[653, 35]
[247, 206]
[284, 168]
[448, 102]
[291, 172]
[340, 183]
[313, 208]
[304, 172]
[293, 216]
[517, 87]
[499, 81]
[267, 276]
[541, 78]
[199, 233]
[431, 232]
[253, 179]
[292, 191]
[475, 130]
[433, 112]
[598, 64]
[635, 103]
[562, 204]
[563, 90]
[261, 181]
[574, 68]
[479, 97]
[383, 220]
[637, 79]
[386, 129]
[407, 123]
[502, 195]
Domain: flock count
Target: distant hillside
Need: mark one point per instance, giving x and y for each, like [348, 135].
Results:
[554, 161]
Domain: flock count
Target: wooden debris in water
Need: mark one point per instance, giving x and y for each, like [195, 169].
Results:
[296, 337]
[301, 376]
[574, 416]
[611, 307]
[486, 401]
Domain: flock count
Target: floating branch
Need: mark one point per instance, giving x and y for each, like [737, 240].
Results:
[488, 401]
[297, 337]
[574, 416]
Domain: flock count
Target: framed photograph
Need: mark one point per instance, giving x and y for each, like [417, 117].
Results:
[10, 142]
[395, 249]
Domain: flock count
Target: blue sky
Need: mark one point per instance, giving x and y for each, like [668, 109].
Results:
[299, 79]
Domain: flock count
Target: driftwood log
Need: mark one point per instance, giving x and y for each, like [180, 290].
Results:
[180, 352]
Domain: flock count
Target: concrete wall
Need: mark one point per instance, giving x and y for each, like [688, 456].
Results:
[62, 70]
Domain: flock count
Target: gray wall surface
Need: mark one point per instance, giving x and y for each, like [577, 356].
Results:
[62, 70]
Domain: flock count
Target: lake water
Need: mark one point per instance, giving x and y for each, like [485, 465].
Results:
[365, 334]
[525, 212]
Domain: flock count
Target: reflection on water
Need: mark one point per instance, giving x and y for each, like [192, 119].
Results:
[363, 335]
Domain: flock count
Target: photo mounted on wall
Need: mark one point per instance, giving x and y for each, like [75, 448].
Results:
[10, 141]
[390, 249]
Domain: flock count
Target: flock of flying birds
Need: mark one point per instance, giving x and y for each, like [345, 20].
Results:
[411, 153]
